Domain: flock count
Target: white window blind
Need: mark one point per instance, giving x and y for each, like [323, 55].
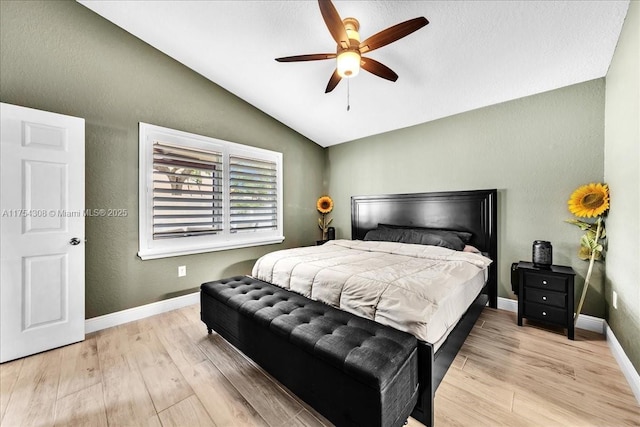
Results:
[187, 191]
[253, 195]
[201, 194]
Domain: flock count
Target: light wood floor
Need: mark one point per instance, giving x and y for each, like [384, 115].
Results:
[166, 371]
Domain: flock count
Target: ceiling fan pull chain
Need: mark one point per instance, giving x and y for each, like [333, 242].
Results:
[348, 101]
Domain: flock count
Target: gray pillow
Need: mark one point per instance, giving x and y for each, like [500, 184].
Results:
[417, 237]
[465, 236]
[388, 235]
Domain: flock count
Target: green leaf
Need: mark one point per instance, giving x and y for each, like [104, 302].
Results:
[584, 253]
[584, 241]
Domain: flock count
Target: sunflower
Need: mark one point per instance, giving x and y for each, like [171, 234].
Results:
[324, 204]
[589, 201]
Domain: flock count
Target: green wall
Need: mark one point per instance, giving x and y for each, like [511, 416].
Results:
[622, 172]
[534, 150]
[59, 56]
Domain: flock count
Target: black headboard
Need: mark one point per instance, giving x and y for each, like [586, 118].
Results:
[473, 211]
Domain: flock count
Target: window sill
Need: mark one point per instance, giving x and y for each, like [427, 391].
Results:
[173, 252]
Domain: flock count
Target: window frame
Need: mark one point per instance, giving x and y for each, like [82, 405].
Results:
[161, 248]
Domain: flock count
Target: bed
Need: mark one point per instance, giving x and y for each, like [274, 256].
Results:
[471, 215]
[472, 211]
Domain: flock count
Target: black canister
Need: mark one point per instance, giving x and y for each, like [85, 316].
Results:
[331, 233]
[542, 254]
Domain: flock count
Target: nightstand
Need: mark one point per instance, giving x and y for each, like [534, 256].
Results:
[546, 295]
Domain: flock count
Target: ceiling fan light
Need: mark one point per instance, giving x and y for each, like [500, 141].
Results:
[348, 64]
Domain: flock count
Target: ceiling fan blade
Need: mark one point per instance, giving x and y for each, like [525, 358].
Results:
[310, 57]
[379, 69]
[333, 81]
[334, 23]
[392, 34]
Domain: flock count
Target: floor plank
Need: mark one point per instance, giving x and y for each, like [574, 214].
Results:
[33, 399]
[80, 367]
[188, 412]
[224, 403]
[126, 398]
[475, 406]
[306, 419]
[273, 404]
[181, 346]
[82, 408]
[9, 373]
[163, 379]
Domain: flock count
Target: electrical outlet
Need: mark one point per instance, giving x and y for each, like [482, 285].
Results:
[615, 300]
[182, 271]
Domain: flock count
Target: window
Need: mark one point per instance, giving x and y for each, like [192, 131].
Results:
[200, 194]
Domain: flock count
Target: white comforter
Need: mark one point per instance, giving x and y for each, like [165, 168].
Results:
[396, 284]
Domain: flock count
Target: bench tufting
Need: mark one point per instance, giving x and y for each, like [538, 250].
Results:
[352, 370]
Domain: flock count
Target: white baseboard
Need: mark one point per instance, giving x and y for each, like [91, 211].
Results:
[136, 313]
[627, 368]
[508, 304]
[589, 323]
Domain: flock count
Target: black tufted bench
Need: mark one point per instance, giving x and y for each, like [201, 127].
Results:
[354, 371]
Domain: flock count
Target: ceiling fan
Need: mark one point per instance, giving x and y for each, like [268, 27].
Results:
[350, 49]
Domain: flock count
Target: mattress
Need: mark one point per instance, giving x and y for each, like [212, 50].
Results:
[423, 290]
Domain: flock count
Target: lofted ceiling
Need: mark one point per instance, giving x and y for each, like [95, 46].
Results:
[472, 54]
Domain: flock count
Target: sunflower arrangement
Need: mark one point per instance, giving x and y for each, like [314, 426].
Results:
[324, 206]
[589, 201]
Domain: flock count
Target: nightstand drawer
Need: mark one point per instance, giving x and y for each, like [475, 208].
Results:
[545, 281]
[545, 313]
[545, 297]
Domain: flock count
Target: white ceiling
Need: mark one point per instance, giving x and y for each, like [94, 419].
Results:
[472, 54]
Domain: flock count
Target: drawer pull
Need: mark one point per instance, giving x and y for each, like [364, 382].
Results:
[544, 282]
[544, 313]
[544, 298]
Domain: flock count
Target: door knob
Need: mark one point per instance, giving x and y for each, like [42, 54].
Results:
[74, 241]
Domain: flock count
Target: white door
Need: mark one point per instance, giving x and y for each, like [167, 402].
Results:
[41, 231]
